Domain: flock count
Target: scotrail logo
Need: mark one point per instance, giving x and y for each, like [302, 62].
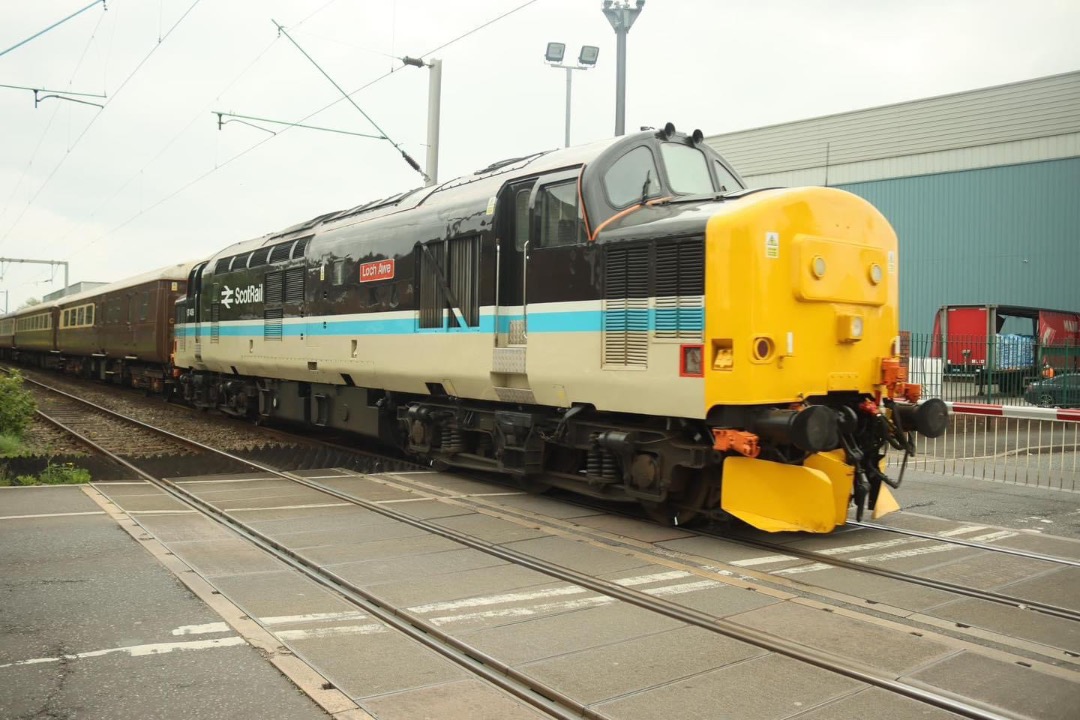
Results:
[241, 296]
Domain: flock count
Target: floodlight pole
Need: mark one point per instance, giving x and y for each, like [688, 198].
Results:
[569, 86]
[622, 17]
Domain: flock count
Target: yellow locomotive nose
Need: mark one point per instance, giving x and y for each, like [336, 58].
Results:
[801, 308]
[800, 297]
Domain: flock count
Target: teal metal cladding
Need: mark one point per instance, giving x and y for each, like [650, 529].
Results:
[1003, 235]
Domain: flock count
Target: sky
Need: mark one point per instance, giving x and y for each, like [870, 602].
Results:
[150, 180]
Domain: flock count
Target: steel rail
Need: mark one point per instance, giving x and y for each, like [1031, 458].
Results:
[721, 626]
[536, 694]
[968, 543]
[988, 595]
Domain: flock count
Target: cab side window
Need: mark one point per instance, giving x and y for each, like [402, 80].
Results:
[560, 217]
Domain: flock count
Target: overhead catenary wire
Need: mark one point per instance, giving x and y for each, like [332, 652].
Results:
[54, 25]
[383, 136]
[194, 118]
[52, 117]
[93, 120]
[86, 246]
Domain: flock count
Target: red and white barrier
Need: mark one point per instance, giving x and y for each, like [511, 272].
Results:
[1014, 411]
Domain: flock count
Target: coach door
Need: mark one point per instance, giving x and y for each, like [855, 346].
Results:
[508, 366]
[512, 243]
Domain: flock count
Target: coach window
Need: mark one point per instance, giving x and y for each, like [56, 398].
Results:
[687, 169]
[631, 178]
[80, 316]
[89, 314]
[560, 222]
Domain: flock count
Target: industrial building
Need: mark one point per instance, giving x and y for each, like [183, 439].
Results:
[982, 187]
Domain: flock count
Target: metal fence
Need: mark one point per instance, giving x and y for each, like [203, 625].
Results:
[1001, 370]
[1023, 446]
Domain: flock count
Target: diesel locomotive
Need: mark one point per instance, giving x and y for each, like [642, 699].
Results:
[623, 319]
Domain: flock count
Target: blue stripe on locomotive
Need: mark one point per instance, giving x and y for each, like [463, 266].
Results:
[685, 319]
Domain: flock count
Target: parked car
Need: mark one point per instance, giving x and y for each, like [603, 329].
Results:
[1060, 391]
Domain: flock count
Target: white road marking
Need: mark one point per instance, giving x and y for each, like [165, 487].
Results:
[684, 588]
[221, 481]
[527, 611]
[766, 560]
[289, 507]
[497, 599]
[140, 650]
[402, 500]
[578, 604]
[540, 594]
[869, 546]
[962, 530]
[51, 515]
[896, 555]
[315, 633]
[934, 549]
[312, 617]
[656, 577]
[214, 627]
[812, 567]
[160, 512]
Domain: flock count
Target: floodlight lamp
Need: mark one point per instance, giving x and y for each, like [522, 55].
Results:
[588, 55]
[555, 52]
[607, 4]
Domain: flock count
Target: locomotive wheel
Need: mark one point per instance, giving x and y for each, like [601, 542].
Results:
[684, 507]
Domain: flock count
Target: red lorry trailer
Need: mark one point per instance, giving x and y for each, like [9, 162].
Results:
[1007, 345]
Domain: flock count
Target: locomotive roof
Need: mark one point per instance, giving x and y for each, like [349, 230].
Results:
[484, 183]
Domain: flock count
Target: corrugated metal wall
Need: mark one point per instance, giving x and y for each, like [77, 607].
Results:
[1038, 108]
[1008, 235]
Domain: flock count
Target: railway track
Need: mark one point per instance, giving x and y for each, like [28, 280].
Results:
[544, 697]
[609, 589]
[825, 558]
[968, 543]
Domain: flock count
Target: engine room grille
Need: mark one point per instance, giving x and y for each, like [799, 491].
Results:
[464, 277]
[272, 324]
[626, 306]
[274, 288]
[294, 285]
[454, 266]
[679, 285]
